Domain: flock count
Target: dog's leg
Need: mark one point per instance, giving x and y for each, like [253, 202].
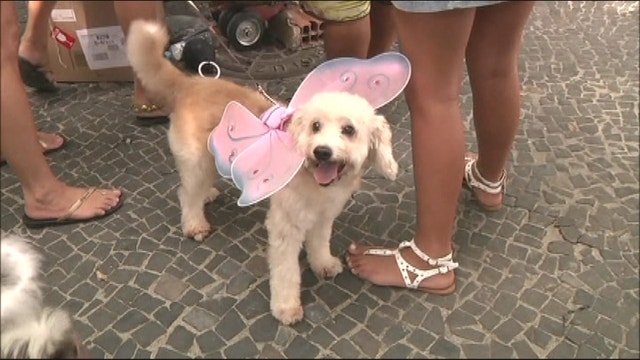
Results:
[318, 248]
[285, 243]
[197, 175]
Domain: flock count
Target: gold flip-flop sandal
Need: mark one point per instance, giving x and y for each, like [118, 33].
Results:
[66, 218]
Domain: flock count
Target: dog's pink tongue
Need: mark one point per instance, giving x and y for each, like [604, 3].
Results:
[326, 172]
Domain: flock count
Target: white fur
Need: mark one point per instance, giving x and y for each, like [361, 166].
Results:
[28, 328]
[302, 213]
[21, 266]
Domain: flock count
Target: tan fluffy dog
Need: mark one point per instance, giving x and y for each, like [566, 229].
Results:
[332, 129]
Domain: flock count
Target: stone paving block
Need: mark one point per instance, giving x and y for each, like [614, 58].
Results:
[388, 311]
[508, 330]
[131, 320]
[209, 342]
[166, 315]
[101, 318]
[395, 333]
[96, 353]
[269, 352]
[200, 319]
[397, 351]
[470, 334]
[109, 341]
[344, 349]
[476, 351]
[148, 333]
[499, 350]
[126, 350]
[230, 325]
[145, 279]
[339, 325]
[321, 337]
[165, 353]
[147, 303]
[563, 350]
[242, 349]
[219, 305]
[240, 282]
[181, 339]
[301, 348]
[170, 287]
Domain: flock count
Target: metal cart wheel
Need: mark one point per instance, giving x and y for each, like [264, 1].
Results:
[245, 30]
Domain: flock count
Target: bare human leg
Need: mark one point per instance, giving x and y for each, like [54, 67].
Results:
[347, 38]
[435, 44]
[33, 45]
[128, 11]
[48, 141]
[45, 196]
[382, 28]
[492, 63]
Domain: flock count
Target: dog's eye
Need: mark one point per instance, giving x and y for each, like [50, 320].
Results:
[348, 130]
[316, 126]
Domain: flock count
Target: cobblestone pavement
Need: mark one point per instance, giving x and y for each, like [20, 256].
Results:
[554, 274]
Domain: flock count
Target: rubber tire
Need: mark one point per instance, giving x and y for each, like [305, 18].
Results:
[224, 18]
[239, 18]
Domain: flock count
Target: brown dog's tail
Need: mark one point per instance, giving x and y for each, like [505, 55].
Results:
[146, 43]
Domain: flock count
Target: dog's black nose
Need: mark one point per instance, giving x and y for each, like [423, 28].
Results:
[322, 153]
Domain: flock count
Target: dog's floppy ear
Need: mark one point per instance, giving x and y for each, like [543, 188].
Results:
[380, 148]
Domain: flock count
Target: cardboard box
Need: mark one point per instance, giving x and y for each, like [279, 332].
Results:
[87, 43]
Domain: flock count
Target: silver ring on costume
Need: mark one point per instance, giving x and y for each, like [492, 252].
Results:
[209, 63]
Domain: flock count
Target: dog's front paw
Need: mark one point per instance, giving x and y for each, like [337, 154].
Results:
[212, 194]
[288, 314]
[197, 230]
[327, 267]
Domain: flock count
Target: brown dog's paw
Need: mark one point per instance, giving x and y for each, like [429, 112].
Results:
[289, 314]
[198, 231]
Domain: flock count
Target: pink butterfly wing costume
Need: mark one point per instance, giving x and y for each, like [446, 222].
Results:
[261, 157]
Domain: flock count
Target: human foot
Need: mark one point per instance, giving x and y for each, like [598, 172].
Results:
[49, 142]
[64, 204]
[489, 194]
[384, 267]
[33, 49]
[33, 63]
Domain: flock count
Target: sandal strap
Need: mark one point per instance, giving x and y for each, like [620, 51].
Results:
[443, 264]
[420, 274]
[145, 107]
[76, 205]
[470, 173]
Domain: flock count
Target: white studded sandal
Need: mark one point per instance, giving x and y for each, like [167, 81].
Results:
[473, 179]
[442, 265]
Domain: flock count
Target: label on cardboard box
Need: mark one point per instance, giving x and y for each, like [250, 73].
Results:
[63, 37]
[103, 47]
[63, 15]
